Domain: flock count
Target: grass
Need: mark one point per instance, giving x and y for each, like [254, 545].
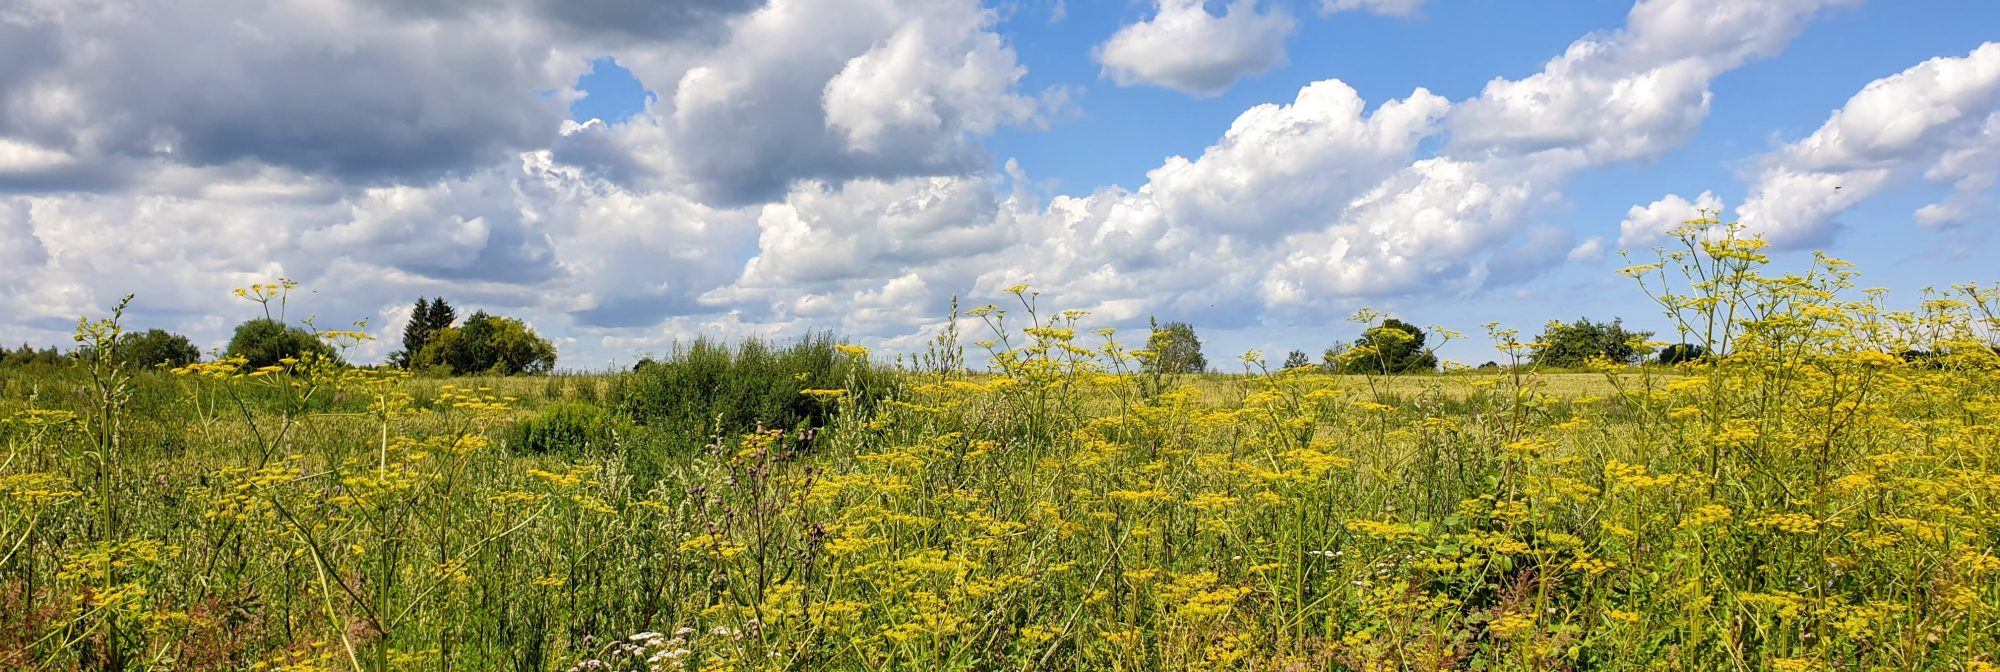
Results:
[1805, 503]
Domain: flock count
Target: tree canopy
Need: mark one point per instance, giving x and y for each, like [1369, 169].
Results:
[1570, 345]
[27, 355]
[265, 342]
[426, 319]
[1175, 349]
[156, 347]
[487, 344]
[1393, 347]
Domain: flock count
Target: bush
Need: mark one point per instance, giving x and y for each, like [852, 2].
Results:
[706, 382]
[567, 429]
[1682, 352]
[156, 347]
[264, 342]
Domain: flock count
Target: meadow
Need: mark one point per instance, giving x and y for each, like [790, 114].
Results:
[1808, 499]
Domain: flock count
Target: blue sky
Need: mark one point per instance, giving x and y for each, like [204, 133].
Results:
[768, 167]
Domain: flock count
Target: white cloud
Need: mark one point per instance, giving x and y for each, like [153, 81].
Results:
[1280, 166]
[1425, 228]
[326, 87]
[1185, 48]
[1972, 169]
[822, 234]
[1297, 207]
[1403, 8]
[929, 79]
[1940, 117]
[21, 157]
[1634, 93]
[826, 90]
[1587, 251]
[1645, 225]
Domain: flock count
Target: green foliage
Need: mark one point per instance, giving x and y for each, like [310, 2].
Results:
[28, 356]
[156, 347]
[1330, 360]
[569, 430]
[265, 341]
[1297, 360]
[1175, 349]
[486, 344]
[708, 382]
[427, 318]
[1570, 345]
[1682, 352]
[1395, 347]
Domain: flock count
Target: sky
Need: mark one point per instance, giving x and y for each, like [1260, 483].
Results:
[625, 175]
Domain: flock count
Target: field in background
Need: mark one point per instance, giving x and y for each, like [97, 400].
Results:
[1807, 502]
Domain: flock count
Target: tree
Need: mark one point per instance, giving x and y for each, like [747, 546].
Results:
[156, 347]
[1394, 347]
[1175, 349]
[1297, 360]
[416, 333]
[514, 348]
[427, 318]
[28, 356]
[1682, 352]
[1330, 360]
[487, 344]
[264, 342]
[1570, 345]
[442, 314]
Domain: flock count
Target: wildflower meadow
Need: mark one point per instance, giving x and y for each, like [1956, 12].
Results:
[1031, 496]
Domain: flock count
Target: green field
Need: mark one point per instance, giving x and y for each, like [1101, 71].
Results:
[1807, 502]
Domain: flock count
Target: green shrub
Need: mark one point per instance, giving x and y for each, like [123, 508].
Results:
[566, 429]
[1682, 352]
[265, 341]
[708, 386]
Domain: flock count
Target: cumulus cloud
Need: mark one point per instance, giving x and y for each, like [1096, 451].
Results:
[1587, 251]
[1279, 165]
[1424, 227]
[1633, 93]
[1185, 48]
[816, 90]
[1455, 221]
[334, 88]
[1647, 224]
[1297, 207]
[1940, 118]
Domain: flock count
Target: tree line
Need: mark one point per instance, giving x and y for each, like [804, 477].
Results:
[1398, 347]
[434, 341]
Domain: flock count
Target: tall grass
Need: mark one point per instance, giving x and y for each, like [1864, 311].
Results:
[1805, 501]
